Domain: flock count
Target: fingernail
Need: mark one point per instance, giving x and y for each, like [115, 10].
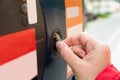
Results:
[60, 45]
[82, 54]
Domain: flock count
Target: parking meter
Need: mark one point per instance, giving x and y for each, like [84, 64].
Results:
[54, 13]
[27, 47]
[22, 40]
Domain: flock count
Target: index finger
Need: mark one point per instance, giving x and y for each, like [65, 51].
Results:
[82, 39]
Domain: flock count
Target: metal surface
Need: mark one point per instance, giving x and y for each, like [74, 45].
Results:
[12, 19]
[51, 18]
[54, 13]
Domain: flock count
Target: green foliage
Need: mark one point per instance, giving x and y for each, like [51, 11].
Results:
[105, 15]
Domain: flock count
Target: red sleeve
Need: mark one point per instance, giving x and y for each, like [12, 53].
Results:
[109, 73]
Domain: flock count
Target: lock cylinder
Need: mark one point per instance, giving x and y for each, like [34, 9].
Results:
[56, 36]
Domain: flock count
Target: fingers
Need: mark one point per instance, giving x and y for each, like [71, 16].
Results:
[92, 52]
[67, 54]
[83, 39]
[74, 40]
[79, 51]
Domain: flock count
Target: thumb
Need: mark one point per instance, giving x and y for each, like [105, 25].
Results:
[67, 54]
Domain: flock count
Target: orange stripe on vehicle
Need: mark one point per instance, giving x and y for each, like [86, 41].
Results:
[16, 44]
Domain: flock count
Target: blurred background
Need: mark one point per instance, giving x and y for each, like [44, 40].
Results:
[102, 19]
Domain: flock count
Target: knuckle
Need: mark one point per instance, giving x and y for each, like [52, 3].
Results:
[106, 50]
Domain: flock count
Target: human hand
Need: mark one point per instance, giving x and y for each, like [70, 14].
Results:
[86, 55]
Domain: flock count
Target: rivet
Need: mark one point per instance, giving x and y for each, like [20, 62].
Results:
[24, 8]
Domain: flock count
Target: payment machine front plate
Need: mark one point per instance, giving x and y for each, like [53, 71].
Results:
[14, 27]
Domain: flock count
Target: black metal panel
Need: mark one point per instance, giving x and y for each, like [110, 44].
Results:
[54, 13]
[12, 19]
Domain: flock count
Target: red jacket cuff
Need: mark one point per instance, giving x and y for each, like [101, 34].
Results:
[109, 73]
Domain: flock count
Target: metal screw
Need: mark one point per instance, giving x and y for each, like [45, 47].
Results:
[24, 8]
